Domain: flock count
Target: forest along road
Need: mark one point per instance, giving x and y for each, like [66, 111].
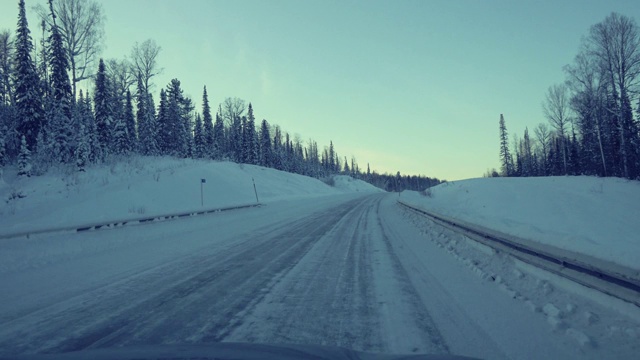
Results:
[350, 272]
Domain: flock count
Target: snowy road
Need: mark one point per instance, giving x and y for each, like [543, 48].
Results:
[346, 271]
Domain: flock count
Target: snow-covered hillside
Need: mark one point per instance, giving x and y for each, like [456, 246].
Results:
[143, 186]
[594, 216]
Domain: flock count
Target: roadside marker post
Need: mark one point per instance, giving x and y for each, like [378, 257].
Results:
[202, 182]
[255, 190]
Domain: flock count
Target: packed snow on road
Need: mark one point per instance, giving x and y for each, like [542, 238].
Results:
[339, 265]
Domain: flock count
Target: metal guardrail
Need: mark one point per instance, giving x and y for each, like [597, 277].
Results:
[110, 224]
[609, 278]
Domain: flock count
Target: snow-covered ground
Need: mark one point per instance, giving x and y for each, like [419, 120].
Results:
[598, 217]
[342, 265]
[147, 186]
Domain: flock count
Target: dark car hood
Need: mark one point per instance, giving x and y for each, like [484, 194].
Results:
[224, 351]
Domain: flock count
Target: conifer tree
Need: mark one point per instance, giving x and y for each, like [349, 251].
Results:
[235, 139]
[59, 64]
[120, 137]
[219, 143]
[3, 152]
[28, 99]
[249, 144]
[90, 128]
[208, 125]
[177, 128]
[162, 126]
[146, 136]
[130, 122]
[265, 145]
[278, 156]
[527, 162]
[24, 159]
[254, 147]
[83, 150]
[173, 138]
[333, 164]
[199, 139]
[103, 109]
[505, 155]
[187, 119]
[574, 156]
[152, 124]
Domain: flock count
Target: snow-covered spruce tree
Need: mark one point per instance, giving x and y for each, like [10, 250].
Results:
[191, 145]
[505, 156]
[277, 156]
[83, 150]
[6, 69]
[173, 137]
[90, 128]
[130, 123]
[333, 164]
[527, 154]
[24, 159]
[120, 138]
[28, 99]
[152, 124]
[3, 152]
[102, 109]
[288, 153]
[235, 139]
[207, 121]
[219, 140]
[162, 126]
[254, 148]
[187, 119]
[265, 145]
[177, 130]
[60, 139]
[60, 136]
[147, 144]
[199, 139]
[249, 143]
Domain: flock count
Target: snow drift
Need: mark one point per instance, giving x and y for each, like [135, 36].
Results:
[140, 186]
[589, 215]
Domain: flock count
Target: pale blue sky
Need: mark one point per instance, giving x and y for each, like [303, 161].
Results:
[409, 86]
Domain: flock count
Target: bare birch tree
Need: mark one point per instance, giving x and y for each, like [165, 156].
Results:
[81, 23]
[615, 42]
[6, 50]
[556, 109]
[144, 62]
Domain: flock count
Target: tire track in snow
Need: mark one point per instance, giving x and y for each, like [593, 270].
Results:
[350, 290]
[414, 307]
[327, 298]
[199, 301]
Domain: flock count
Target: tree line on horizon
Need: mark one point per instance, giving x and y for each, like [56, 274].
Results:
[45, 120]
[591, 126]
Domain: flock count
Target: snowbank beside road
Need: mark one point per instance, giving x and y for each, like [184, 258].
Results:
[589, 215]
[145, 186]
[349, 184]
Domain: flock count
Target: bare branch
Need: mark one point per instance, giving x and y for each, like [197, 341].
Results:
[144, 62]
[82, 30]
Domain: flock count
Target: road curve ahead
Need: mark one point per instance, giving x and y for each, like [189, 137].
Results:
[344, 275]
